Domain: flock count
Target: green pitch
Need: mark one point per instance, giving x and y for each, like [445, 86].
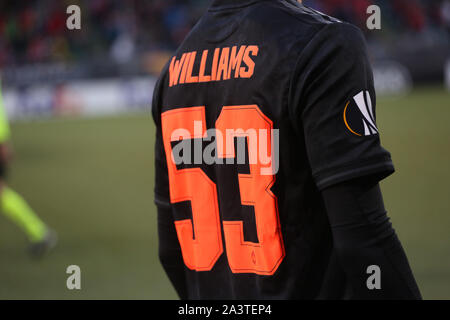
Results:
[92, 180]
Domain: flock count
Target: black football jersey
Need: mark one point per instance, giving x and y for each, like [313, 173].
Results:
[263, 105]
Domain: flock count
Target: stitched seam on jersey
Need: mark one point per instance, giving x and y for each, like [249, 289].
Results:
[231, 7]
[369, 168]
[355, 163]
[159, 200]
[384, 170]
[291, 89]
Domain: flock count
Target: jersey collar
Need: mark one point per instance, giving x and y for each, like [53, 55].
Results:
[230, 4]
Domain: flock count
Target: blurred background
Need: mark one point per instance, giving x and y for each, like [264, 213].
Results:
[79, 105]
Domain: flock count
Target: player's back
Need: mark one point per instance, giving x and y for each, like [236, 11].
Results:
[244, 195]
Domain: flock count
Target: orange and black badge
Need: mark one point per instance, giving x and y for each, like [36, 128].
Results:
[359, 115]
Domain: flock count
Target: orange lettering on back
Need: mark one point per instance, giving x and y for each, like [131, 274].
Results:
[223, 64]
[249, 62]
[225, 61]
[236, 60]
[185, 68]
[174, 69]
[189, 77]
[202, 77]
[214, 65]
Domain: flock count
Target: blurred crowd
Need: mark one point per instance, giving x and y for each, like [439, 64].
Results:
[33, 31]
[398, 15]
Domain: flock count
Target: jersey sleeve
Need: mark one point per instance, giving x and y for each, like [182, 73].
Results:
[332, 103]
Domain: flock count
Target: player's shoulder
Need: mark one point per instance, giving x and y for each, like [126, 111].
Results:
[304, 23]
[300, 13]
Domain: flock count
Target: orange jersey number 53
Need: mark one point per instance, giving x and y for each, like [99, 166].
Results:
[194, 185]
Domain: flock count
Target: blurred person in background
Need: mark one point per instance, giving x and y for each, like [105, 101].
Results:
[13, 206]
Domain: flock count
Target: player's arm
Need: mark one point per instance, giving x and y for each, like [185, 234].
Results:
[169, 247]
[333, 97]
[363, 236]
